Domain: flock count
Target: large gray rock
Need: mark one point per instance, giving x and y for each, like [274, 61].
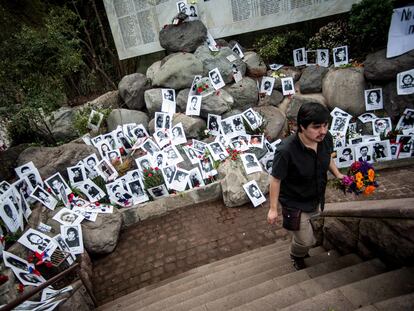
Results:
[182, 98]
[131, 89]
[311, 79]
[153, 69]
[285, 72]
[273, 100]
[219, 60]
[192, 125]
[245, 93]
[274, 120]
[61, 124]
[178, 71]
[185, 37]
[124, 116]
[100, 237]
[110, 99]
[380, 68]
[153, 101]
[298, 100]
[231, 113]
[395, 104]
[233, 177]
[344, 88]
[51, 160]
[216, 103]
[8, 160]
[256, 67]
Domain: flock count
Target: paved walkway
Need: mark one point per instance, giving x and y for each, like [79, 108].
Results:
[157, 249]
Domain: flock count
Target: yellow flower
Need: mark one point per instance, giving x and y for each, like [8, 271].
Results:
[369, 190]
[359, 176]
[371, 175]
[359, 184]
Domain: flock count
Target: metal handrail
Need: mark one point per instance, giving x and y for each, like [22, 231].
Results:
[19, 300]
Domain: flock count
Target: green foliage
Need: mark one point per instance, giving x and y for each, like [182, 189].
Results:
[278, 48]
[153, 177]
[330, 36]
[80, 121]
[369, 23]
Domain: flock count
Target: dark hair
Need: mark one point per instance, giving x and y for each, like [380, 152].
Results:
[363, 147]
[312, 113]
[347, 149]
[72, 230]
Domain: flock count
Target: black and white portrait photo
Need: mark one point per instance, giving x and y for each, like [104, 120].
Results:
[192, 12]
[192, 154]
[338, 112]
[406, 143]
[213, 124]
[96, 139]
[55, 182]
[136, 188]
[256, 141]
[29, 279]
[150, 147]
[114, 156]
[160, 159]
[237, 49]
[322, 57]
[212, 44]
[238, 125]
[10, 215]
[144, 163]
[267, 162]
[30, 170]
[72, 235]
[367, 117]
[162, 138]
[227, 127]
[206, 167]
[395, 150]
[196, 80]
[76, 174]
[36, 241]
[168, 173]
[382, 150]
[23, 186]
[91, 190]
[340, 56]
[89, 164]
[267, 85]
[217, 151]
[118, 194]
[381, 126]
[168, 101]
[299, 57]
[4, 186]
[405, 82]
[254, 193]
[373, 99]
[345, 156]
[139, 132]
[195, 177]
[250, 163]
[363, 152]
[407, 120]
[251, 118]
[178, 135]
[173, 155]
[158, 191]
[180, 180]
[44, 197]
[287, 86]
[193, 105]
[66, 217]
[159, 120]
[339, 124]
[216, 79]
[106, 170]
[199, 145]
[12, 261]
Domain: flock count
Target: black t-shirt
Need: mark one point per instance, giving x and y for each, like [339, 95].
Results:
[303, 173]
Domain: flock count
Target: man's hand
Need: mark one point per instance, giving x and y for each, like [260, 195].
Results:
[272, 216]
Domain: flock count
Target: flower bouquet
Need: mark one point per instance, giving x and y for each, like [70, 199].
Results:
[154, 182]
[360, 179]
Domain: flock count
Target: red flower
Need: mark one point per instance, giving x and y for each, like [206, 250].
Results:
[70, 197]
[97, 203]
[156, 168]
[49, 190]
[3, 278]
[217, 93]
[206, 86]
[199, 90]
[20, 288]
[48, 264]
[149, 175]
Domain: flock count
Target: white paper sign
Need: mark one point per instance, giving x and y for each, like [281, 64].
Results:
[401, 34]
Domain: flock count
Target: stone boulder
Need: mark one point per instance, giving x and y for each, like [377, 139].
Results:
[231, 113]
[153, 69]
[110, 100]
[182, 98]
[311, 79]
[256, 67]
[61, 124]
[153, 101]
[131, 89]
[178, 71]
[380, 68]
[298, 100]
[185, 37]
[8, 160]
[216, 103]
[233, 177]
[192, 125]
[285, 72]
[344, 88]
[101, 237]
[395, 104]
[124, 116]
[274, 120]
[273, 100]
[51, 160]
[219, 60]
[245, 93]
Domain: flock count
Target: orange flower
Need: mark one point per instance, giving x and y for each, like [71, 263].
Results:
[371, 175]
[359, 184]
[359, 176]
[369, 190]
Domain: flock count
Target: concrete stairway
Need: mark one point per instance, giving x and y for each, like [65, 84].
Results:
[264, 279]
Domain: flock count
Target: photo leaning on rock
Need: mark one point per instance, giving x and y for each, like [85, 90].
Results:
[207, 155]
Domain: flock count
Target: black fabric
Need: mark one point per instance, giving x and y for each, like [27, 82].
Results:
[291, 218]
[303, 173]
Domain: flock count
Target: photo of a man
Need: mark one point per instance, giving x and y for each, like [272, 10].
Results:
[216, 79]
[253, 192]
[340, 55]
[364, 156]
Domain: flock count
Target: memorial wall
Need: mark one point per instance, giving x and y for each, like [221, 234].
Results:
[135, 24]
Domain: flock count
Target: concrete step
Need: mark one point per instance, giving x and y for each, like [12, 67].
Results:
[209, 281]
[227, 296]
[361, 293]
[315, 286]
[399, 303]
[195, 277]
